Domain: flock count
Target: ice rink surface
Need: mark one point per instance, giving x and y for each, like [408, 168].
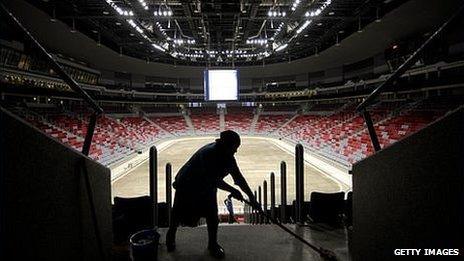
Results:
[256, 157]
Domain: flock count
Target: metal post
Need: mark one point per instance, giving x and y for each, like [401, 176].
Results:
[265, 200]
[283, 191]
[254, 212]
[89, 134]
[260, 204]
[299, 173]
[272, 195]
[154, 183]
[248, 216]
[297, 184]
[371, 129]
[302, 188]
[169, 190]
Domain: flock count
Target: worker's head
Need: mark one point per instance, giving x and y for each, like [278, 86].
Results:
[230, 141]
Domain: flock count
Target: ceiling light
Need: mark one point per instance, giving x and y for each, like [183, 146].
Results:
[73, 29]
[280, 48]
[295, 4]
[158, 47]
[53, 19]
[307, 22]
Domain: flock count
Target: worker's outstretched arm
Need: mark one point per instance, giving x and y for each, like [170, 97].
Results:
[240, 181]
[235, 193]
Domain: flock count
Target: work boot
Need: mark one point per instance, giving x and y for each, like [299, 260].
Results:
[216, 251]
[171, 240]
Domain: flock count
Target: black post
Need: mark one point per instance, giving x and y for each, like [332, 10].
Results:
[89, 134]
[260, 221]
[154, 183]
[283, 191]
[302, 188]
[297, 187]
[272, 195]
[265, 200]
[299, 173]
[254, 212]
[371, 129]
[169, 190]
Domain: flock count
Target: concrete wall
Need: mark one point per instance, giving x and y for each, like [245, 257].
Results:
[45, 213]
[411, 195]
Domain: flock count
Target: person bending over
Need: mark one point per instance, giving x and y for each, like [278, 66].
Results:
[196, 186]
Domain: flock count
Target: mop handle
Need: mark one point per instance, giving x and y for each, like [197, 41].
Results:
[329, 255]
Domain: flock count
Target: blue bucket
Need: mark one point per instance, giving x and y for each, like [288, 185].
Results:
[144, 245]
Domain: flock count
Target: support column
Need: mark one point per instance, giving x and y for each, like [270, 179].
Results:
[272, 195]
[154, 183]
[260, 218]
[169, 190]
[283, 191]
[299, 184]
[265, 201]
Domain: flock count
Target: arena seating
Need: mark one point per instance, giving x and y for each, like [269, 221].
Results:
[74, 141]
[146, 133]
[173, 124]
[239, 119]
[270, 123]
[205, 121]
[339, 134]
[113, 139]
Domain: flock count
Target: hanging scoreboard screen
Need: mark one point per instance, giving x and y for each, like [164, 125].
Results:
[221, 85]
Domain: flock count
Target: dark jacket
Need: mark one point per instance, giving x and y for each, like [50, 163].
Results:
[196, 183]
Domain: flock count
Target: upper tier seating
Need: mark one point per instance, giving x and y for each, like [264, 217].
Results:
[174, 124]
[205, 122]
[340, 135]
[239, 119]
[270, 123]
[145, 132]
[113, 139]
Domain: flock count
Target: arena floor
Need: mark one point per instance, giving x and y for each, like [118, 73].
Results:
[257, 158]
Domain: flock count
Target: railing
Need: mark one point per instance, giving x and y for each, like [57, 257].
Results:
[362, 108]
[66, 78]
[97, 110]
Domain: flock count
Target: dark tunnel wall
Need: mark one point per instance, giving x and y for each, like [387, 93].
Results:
[411, 194]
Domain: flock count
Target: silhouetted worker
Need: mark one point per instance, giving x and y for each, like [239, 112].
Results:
[196, 186]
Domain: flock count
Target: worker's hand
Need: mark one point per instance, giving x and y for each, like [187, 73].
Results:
[237, 195]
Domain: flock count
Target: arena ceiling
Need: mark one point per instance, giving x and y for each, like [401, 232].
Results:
[217, 33]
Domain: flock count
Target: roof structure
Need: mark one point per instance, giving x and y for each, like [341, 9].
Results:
[217, 33]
